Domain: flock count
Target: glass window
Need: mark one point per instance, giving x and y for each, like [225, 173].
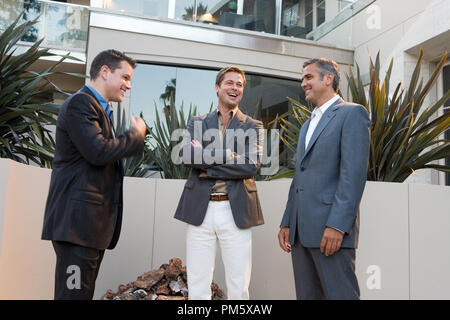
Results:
[320, 8]
[257, 15]
[153, 85]
[174, 9]
[149, 7]
[61, 26]
[11, 9]
[272, 92]
[345, 3]
[297, 18]
[65, 26]
[183, 9]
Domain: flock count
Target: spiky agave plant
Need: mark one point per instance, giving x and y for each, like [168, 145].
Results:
[161, 139]
[26, 112]
[405, 135]
[140, 165]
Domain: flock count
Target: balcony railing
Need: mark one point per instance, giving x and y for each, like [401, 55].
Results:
[296, 18]
[63, 26]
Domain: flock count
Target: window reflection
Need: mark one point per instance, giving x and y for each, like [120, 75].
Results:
[148, 7]
[320, 12]
[61, 26]
[345, 3]
[148, 86]
[297, 18]
[257, 15]
[154, 85]
[196, 87]
[174, 9]
[272, 92]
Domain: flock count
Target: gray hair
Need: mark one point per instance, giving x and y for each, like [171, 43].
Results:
[326, 66]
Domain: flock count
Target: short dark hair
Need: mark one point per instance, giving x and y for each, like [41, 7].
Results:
[225, 70]
[326, 66]
[111, 58]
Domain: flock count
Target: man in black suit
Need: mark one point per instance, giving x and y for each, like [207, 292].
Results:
[83, 214]
[220, 201]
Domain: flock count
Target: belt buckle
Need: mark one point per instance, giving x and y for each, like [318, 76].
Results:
[218, 197]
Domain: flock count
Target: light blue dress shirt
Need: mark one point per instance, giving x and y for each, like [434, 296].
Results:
[106, 106]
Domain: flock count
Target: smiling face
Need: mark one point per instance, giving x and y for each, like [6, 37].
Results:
[230, 90]
[117, 82]
[318, 89]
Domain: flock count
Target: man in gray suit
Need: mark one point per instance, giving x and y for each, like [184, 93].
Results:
[219, 200]
[320, 224]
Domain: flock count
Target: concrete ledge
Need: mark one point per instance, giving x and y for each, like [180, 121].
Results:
[402, 254]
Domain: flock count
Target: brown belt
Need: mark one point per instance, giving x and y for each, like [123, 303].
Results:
[221, 197]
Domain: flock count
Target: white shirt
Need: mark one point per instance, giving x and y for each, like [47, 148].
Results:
[316, 116]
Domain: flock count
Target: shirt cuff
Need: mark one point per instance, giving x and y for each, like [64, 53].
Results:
[338, 230]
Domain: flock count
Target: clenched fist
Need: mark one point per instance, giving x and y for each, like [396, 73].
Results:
[137, 124]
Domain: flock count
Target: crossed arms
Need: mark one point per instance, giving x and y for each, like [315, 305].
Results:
[237, 157]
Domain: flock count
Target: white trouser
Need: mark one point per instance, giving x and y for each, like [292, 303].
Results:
[236, 247]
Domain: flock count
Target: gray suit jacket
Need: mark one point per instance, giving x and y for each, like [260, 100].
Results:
[329, 176]
[236, 161]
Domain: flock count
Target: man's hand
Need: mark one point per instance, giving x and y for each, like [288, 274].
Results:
[196, 143]
[331, 241]
[137, 124]
[283, 239]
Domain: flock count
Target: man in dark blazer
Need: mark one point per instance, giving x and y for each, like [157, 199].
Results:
[220, 200]
[320, 225]
[83, 214]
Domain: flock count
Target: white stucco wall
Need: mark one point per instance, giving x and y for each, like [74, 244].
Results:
[404, 240]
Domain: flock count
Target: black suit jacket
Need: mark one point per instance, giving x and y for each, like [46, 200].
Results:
[236, 161]
[84, 204]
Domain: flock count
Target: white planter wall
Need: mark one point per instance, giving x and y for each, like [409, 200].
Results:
[429, 213]
[383, 249]
[404, 238]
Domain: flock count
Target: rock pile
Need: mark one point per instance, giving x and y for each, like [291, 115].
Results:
[169, 282]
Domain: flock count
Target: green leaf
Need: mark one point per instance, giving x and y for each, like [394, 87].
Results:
[406, 135]
[24, 114]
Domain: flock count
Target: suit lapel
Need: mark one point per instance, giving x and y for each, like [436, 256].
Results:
[301, 140]
[109, 125]
[87, 91]
[327, 116]
[211, 121]
[237, 120]
[236, 123]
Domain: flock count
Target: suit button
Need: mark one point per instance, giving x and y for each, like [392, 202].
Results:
[296, 190]
[302, 169]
